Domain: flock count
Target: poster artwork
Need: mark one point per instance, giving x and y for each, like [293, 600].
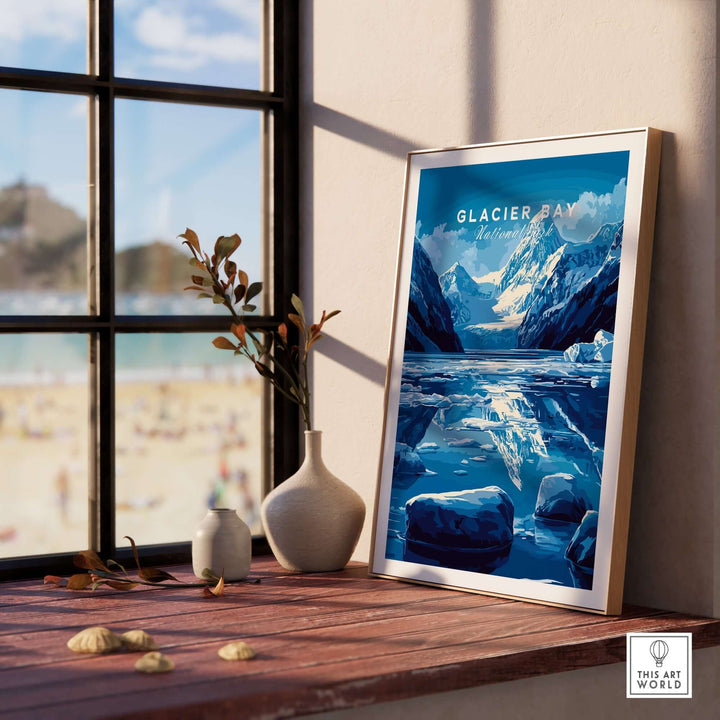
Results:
[499, 443]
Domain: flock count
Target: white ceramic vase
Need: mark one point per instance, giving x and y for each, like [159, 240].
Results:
[222, 543]
[313, 520]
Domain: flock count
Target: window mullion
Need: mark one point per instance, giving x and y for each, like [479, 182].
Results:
[102, 510]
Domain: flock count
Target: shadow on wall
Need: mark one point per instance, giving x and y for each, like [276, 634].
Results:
[350, 357]
[479, 69]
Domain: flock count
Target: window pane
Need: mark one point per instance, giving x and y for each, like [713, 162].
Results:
[188, 436]
[43, 203]
[190, 41]
[44, 34]
[43, 443]
[181, 166]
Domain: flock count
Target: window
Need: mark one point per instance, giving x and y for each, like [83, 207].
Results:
[124, 123]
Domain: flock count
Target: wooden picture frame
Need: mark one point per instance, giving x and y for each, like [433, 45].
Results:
[513, 379]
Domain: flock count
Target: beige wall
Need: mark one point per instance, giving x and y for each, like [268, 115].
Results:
[382, 77]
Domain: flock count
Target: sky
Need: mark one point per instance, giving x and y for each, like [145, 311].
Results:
[176, 166]
[593, 185]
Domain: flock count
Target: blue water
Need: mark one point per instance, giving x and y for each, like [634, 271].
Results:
[504, 418]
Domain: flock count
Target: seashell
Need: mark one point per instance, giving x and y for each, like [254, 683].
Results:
[154, 662]
[138, 640]
[94, 640]
[236, 651]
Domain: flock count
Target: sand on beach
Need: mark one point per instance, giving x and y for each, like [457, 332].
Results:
[182, 445]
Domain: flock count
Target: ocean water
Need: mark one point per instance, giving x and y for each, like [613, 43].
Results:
[49, 358]
[503, 418]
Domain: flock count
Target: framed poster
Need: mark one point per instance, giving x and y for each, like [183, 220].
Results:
[515, 365]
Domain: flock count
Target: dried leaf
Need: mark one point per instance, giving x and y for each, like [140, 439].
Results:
[242, 278]
[89, 560]
[155, 575]
[282, 331]
[191, 239]
[225, 247]
[79, 581]
[239, 292]
[194, 262]
[55, 580]
[264, 370]
[249, 308]
[112, 563]
[134, 551]
[330, 315]
[252, 291]
[119, 584]
[204, 295]
[222, 343]
[238, 331]
[208, 574]
[297, 303]
[216, 591]
[230, 268]
[194, 287]
[218, 299]
[297, 321]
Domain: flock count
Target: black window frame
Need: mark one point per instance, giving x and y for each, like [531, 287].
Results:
[282, 104]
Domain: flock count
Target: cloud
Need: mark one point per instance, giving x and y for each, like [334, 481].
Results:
[592, 211]
[183, 41]
[246, 10]
[79, 108]
[444, 247]
[64, 20]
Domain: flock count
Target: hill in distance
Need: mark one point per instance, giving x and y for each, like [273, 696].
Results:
[43, 245]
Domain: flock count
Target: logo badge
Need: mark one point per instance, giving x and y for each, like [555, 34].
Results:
[659, 665]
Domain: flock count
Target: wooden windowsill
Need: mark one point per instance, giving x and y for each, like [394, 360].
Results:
[325, 641]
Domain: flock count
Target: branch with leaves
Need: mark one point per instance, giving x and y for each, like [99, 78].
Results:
[114, 575]
[285, 366]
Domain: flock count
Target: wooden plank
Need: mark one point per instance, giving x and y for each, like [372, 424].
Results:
[223, 620]
[324, 641]
[402, 674]
[287, 650]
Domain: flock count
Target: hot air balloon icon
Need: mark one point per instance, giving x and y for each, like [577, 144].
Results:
[659, 650]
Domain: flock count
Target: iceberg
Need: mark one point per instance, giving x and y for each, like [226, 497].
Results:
[562, 498]
[580, 552]
[469, 529]
[599, 350]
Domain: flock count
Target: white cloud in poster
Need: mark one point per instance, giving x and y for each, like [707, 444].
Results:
[445, 247]
[592, 211]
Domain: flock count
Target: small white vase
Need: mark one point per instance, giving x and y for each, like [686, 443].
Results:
[222, 543]
[313, 520]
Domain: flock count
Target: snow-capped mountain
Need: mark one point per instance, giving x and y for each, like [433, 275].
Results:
[429, 323]
[467, 301]
[581, 296]
[577, 263]
[531, 264]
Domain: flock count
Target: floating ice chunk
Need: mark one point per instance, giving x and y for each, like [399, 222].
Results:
[599, 350]
[479, 458]
[581, 550]
[480, 518]
[464, 442]
[460, 472]
[427, 447]
[464, 462]
[562, 497]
